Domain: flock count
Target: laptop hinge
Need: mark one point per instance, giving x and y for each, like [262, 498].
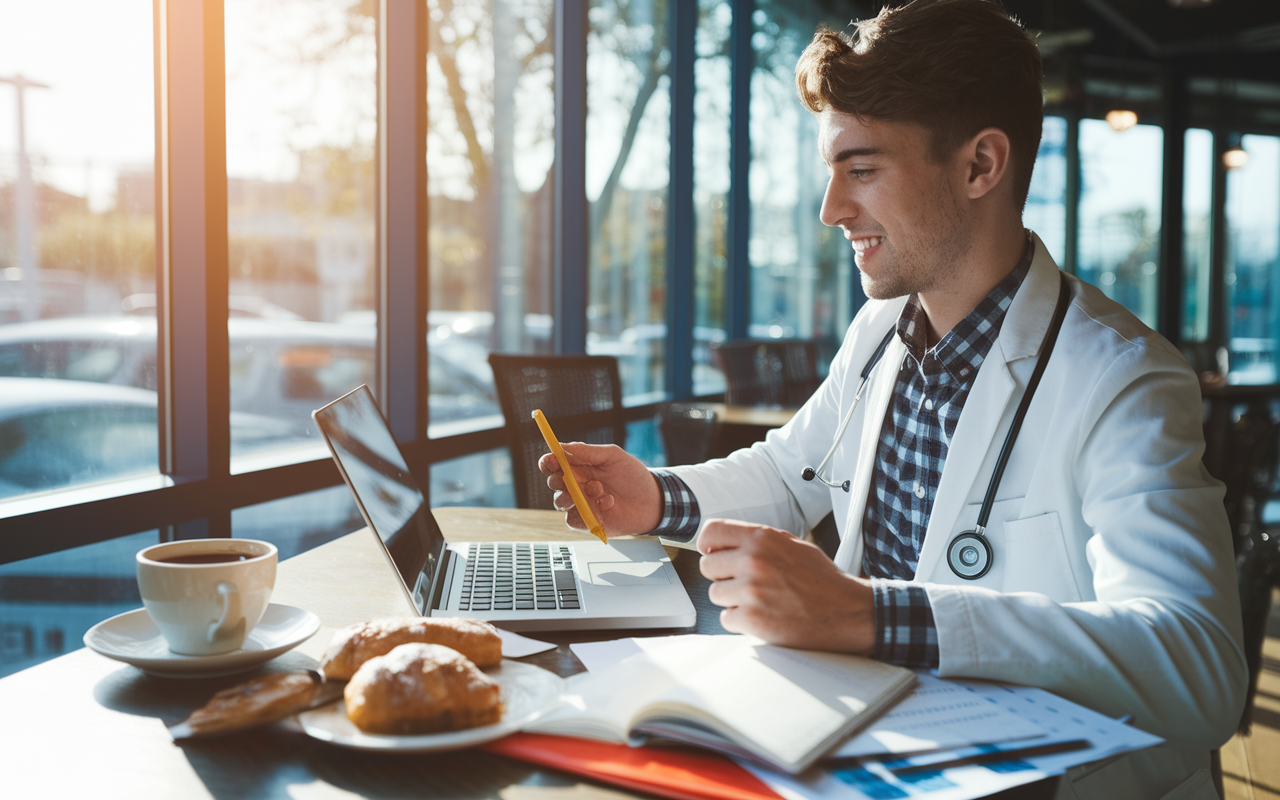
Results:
[444, 580]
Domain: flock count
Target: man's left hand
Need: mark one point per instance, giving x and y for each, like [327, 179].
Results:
[784, 590]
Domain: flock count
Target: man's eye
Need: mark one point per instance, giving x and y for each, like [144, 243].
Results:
[861, 173]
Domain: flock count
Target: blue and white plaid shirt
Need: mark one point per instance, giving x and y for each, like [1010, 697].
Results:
[933, 384]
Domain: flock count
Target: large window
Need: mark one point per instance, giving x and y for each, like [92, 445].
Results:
[628, 156]
[1197, 177]
[1253, 261]
[77, 244]
[801, 270]
[712, 74]
[301, 126]
[490, 151]
[1119, 235]
[48, 603]
[1046, 209]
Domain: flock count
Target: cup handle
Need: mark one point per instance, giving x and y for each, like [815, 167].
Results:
[232, 620]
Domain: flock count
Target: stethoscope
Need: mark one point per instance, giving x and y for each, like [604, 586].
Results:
[969, 553]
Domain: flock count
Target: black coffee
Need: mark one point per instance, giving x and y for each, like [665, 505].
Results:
[204, 558]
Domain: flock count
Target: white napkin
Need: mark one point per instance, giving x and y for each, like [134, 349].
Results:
[516, 646]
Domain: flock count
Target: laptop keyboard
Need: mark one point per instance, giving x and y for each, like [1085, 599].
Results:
[519, 577]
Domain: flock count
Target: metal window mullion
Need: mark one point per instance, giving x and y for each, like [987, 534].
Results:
[1071, 245]
[738, 274]
[1219, 297]
[192, 359]
[402, 205]
[683, 26]
[571, 212]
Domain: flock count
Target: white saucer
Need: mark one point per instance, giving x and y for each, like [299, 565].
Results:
[133, 638]
[527, 693]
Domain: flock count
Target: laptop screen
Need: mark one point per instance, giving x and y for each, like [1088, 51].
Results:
[390, 501]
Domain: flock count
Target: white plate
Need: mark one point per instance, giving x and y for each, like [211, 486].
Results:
[527, 693]
[133, 638]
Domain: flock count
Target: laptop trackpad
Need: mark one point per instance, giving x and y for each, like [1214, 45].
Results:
[628, 573]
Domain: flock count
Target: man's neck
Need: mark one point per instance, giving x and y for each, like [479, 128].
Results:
[986, 264]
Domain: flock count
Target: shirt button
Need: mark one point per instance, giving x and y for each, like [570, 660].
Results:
[928, 404]
[919, 490]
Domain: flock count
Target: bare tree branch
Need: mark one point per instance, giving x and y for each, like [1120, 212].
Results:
[657, 67]
[458, 99]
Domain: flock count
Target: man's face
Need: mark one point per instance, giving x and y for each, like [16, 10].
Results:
[904, 214]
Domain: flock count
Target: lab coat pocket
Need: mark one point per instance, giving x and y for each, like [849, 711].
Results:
[1036, 558]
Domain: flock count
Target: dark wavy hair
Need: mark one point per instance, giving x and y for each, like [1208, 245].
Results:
[954, 67]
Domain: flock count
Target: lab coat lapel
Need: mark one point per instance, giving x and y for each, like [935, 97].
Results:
[979, 433]
[975, 435]
[875, 402]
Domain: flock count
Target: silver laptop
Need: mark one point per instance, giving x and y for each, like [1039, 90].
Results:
[521, 586]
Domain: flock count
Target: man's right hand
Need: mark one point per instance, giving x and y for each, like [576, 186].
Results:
[623, 493]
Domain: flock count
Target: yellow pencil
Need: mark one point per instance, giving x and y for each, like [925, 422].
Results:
[575, 491]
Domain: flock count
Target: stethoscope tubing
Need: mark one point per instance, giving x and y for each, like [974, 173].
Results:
[978, 535]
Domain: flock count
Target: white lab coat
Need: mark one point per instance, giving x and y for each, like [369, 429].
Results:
[1112, 582]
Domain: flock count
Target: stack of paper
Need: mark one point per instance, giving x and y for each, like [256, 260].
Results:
[1072, 735]
[947, 740]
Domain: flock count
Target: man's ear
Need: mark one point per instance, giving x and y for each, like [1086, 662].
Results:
[987, 156]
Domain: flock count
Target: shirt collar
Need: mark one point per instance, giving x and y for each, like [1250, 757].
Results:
[964, 348]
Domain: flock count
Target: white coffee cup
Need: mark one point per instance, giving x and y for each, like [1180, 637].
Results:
[209, 606]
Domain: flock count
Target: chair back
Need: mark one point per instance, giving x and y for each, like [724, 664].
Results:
[688, 432]
[581, 397]
[768, 372]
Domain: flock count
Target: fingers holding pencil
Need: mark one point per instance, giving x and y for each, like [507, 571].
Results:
[622, 492]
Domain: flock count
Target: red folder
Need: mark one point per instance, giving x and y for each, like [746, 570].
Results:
[677, 772]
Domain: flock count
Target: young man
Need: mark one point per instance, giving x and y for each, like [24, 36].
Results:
[1105, 572]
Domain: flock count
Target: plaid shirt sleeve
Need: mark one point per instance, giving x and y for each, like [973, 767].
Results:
[905, 633]
[680, 515]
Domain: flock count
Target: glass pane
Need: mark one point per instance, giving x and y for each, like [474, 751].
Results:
[710, 189]
[490, 152]
[48, 603]
[298, 523]
[644, 441]
[77, 244]
[801, 270]
[1253, 257]
[628, 147]
[301, 128]
[1046, 210]
[1197, 177]
[1119, 236]
[480, 479]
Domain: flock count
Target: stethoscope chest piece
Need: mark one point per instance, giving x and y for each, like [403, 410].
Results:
[969, 555]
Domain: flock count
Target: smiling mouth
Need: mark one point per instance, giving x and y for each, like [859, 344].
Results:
[865, 243]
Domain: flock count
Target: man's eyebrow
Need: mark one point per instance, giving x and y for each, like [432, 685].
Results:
[845, 155]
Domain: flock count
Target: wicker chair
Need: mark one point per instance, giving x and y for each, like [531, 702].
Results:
[688, 432]
[768, 372]
[581, 397]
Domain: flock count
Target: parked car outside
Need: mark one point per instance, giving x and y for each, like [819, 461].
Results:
[279, 368]
[56, 433]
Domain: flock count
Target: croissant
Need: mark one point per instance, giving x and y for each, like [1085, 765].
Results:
[421, 688]
[351, 647]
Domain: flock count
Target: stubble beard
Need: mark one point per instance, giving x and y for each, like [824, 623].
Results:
[931, 256]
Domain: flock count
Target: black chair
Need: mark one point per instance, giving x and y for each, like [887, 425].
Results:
[581, 397]
[1243, 451]
[768, 372]
[689, 431]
